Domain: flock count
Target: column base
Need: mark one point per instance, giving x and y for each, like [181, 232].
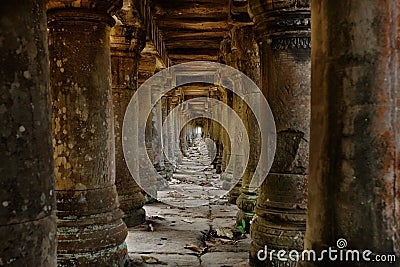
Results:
[246, 216]
[169, 170]
[162, 183]
[246, 203]
[134, 217]
[131, 205]
[234, 193]
[108, 257]
[90, 229]
[276, 230]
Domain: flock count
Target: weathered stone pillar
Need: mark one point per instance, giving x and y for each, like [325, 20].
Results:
[177, 124]
[127, 40]
[284, 31]
[234, 193]
[220, 147]
[166, 139]
[157, 132]
[239, 49]
[245, 57]
[27, 197]
[226, 175]
[247, 199]
[216, 133]
[90, 229]
[185, 134]
[171, 126]
[148, 181]
[213, 129]
[354, 160]
[226, 57]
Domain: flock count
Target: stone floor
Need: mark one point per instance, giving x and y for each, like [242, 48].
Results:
[196, 227]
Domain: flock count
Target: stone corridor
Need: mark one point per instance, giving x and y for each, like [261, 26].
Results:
[203, 235]
[199, 133]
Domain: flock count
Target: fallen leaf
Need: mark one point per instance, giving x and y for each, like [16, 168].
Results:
[150, 260]
[188, 221]
[224, 210]
[212, 243]
[226, 241]
[194, 248]
[174, 194]
[205, 184]
[224, 232]
[156, 217]
[151, 227]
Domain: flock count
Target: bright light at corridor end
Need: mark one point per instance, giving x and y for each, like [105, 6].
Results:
[138, 112]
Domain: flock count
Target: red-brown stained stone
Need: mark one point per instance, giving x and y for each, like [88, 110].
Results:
[90, 229]
[354, 163]
[283, 28]
[27, 196]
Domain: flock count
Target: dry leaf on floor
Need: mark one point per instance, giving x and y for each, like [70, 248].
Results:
[224, 232]
[212, 243]
[224, 210]
[188, 221]
[151, 228]
[194, 248]
[227, 241]
[156, 217]
[174, 194]
[150, 260]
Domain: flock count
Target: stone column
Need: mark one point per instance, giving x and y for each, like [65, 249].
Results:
[220, 147]
[166, 139]
[185, 135]
[157, 132]
[172, 133]
[212, 129]
[27, 197]
[234, 193]
[216, 133]
[247, 199]
[127, 40]
[90, 229]
[240, 51]
[226, 175]
[354, 160]
[147, 180]
[284, 31]
[246, 54]
[177, 124]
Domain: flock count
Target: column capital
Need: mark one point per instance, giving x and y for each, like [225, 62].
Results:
[93, 10]
[127, 38]
[282, 24]
[129, 33]
[238, 10]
